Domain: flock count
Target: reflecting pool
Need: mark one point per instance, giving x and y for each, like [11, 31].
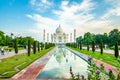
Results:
[59, 64]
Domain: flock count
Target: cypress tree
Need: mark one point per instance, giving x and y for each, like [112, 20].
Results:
[34, 47]
[93, 46]
[38, 46]
[42, 45]
[116, 50]
[74, 45]
[16, 47]
[29, 47]
[88, 47]
[80, 45]
[101, 47]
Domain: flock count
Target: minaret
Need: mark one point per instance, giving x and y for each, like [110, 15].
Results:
[44, 35]
[51, 38]
[71, 37]
[48, 37]
[74, 35]
[67, 37]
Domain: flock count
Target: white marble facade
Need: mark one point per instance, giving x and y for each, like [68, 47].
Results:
[59, 37]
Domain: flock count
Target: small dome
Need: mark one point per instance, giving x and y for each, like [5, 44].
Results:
[59, 30]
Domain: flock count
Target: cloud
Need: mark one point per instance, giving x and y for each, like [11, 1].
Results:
[32, 2]
[74, 16]
[41, 5]
[41, 19]
[114, 9]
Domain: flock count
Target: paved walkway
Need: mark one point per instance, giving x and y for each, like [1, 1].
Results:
[12, 53]
[105, 50]
[106, 66]
[31, 72]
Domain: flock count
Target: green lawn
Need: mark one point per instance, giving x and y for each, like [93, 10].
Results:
[112, 48]
[108, 58]
[9, 64]
[11, 48]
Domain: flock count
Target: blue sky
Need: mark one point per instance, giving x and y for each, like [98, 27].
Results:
[30, 17]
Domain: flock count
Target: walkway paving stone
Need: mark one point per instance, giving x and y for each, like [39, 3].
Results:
[31, 72]
[12, 53]
[106, 66]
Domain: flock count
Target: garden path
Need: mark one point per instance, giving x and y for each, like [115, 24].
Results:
[12, 53]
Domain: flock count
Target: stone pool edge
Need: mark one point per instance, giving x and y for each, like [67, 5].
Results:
[31, 72]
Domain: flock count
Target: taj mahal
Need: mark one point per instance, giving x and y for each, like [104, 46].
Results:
[59, 36]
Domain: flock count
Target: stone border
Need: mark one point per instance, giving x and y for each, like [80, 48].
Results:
[84, 57]
[31, 72]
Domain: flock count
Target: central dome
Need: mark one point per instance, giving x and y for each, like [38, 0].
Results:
[59, 30]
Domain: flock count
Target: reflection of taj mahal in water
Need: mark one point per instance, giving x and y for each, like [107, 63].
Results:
[60, 37]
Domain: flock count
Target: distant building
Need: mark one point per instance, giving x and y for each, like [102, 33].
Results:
[74, 35]
[48, 37]
[60, 37]
[44, 35]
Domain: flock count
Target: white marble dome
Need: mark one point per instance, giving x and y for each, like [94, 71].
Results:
[59, 30]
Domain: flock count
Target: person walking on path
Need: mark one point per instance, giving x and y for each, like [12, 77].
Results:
[2, 51]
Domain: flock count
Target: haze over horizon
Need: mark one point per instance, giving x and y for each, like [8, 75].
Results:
[30, 17]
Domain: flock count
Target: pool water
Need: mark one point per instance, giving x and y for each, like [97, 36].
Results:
[59, 64]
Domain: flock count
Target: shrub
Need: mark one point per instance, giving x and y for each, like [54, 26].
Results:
[16, 45]
[116, 50]
[38, 46]
[97, 73]
[34, 47]
[88, 47]
[101, 47]
[80, 45]
[29, 47]
[93, 46]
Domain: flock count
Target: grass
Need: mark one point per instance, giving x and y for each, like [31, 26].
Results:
[9, 64]
[107, 58]
[113, 47]
[11, 48]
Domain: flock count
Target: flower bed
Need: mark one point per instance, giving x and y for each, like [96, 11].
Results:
[97, 73]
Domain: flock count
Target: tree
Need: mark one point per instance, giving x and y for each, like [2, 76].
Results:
[38, 46]
[80, 45]
[97, 38]
[75, 45]
[23, 41]
[42, 46]
[105, 38]
[79, 39]
[34, 47]
[88, 47]
[29, 47]
[116, 50]
[8, 41]
[114, 36]
[93, 46]
[2, 38]
[87, 38]
[16, 47]
[101, 47]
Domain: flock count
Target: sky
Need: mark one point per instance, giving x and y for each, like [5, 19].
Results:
[31, 17]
